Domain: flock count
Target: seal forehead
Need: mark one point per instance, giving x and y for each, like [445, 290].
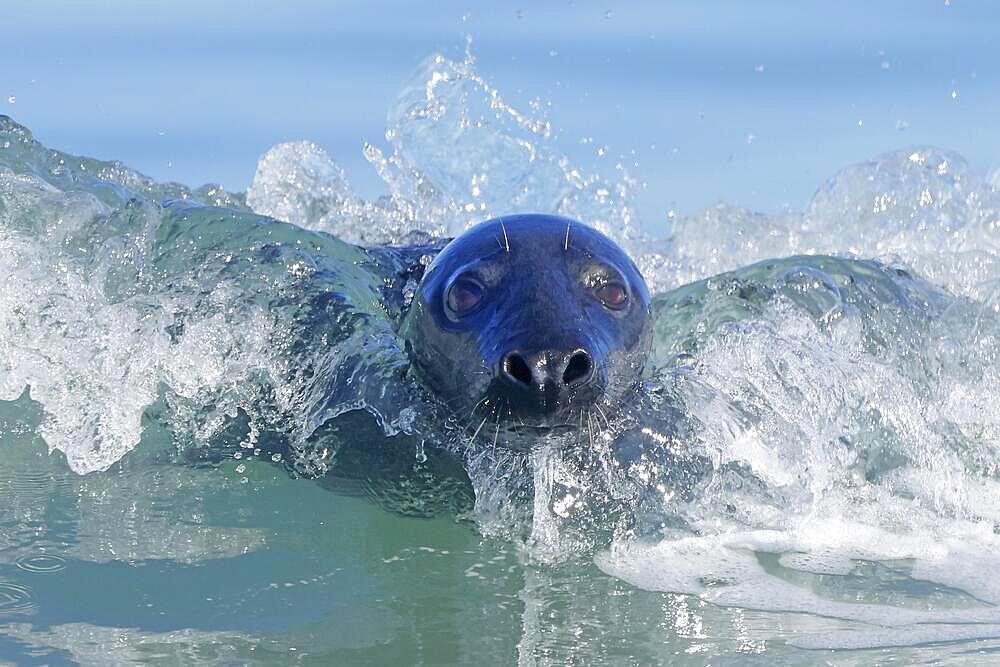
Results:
[538, 239]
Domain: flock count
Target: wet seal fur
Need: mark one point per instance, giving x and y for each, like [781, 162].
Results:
[529, 321]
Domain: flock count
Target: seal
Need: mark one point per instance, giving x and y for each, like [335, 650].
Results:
[529, 321]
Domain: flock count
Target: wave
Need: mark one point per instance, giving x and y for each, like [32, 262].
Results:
[824, 395]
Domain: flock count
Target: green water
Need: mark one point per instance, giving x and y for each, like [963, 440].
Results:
[162, 564]
[166, 565]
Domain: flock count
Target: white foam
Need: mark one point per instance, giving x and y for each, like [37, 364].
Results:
[726, 571]
[300, 183]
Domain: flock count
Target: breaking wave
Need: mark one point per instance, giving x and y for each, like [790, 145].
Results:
[822, 414]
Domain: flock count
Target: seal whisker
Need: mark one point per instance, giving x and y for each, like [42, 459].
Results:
[484, 399]
[606, 421]
[506, 241]
[496, 436]
[566, 242]
[590, 431]
[513, 426]
[473, 438]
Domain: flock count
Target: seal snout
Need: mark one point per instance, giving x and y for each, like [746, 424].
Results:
[546, 378]
[569, 370]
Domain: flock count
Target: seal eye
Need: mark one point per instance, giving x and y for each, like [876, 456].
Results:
[612, 295]
[464, 296]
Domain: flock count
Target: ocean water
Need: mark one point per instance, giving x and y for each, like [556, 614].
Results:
[213, 454]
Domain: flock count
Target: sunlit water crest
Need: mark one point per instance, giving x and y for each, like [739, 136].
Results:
[814, 442]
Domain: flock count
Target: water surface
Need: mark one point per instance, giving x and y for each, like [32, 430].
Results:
[809, 472]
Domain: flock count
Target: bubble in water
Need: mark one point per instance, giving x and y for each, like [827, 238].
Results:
[275, 457]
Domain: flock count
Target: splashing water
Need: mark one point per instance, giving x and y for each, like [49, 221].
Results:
[821, 416]
[508, 162]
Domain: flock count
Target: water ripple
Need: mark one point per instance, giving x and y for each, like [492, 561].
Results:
[41, 563]
[16, 599]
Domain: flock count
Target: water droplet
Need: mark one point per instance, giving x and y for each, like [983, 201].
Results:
[885, 64]
[275, 457]
[12, 99]
[954, 94]
[238, 455]
[241, 468]
[758, 68]
[608, 14]
[421, 455]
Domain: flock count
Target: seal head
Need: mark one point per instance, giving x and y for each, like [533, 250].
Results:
[529, 321]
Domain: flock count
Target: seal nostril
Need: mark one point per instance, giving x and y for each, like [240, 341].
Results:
[517, 369]
[578, 369]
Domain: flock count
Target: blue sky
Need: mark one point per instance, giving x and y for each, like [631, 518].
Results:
[755, 103]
